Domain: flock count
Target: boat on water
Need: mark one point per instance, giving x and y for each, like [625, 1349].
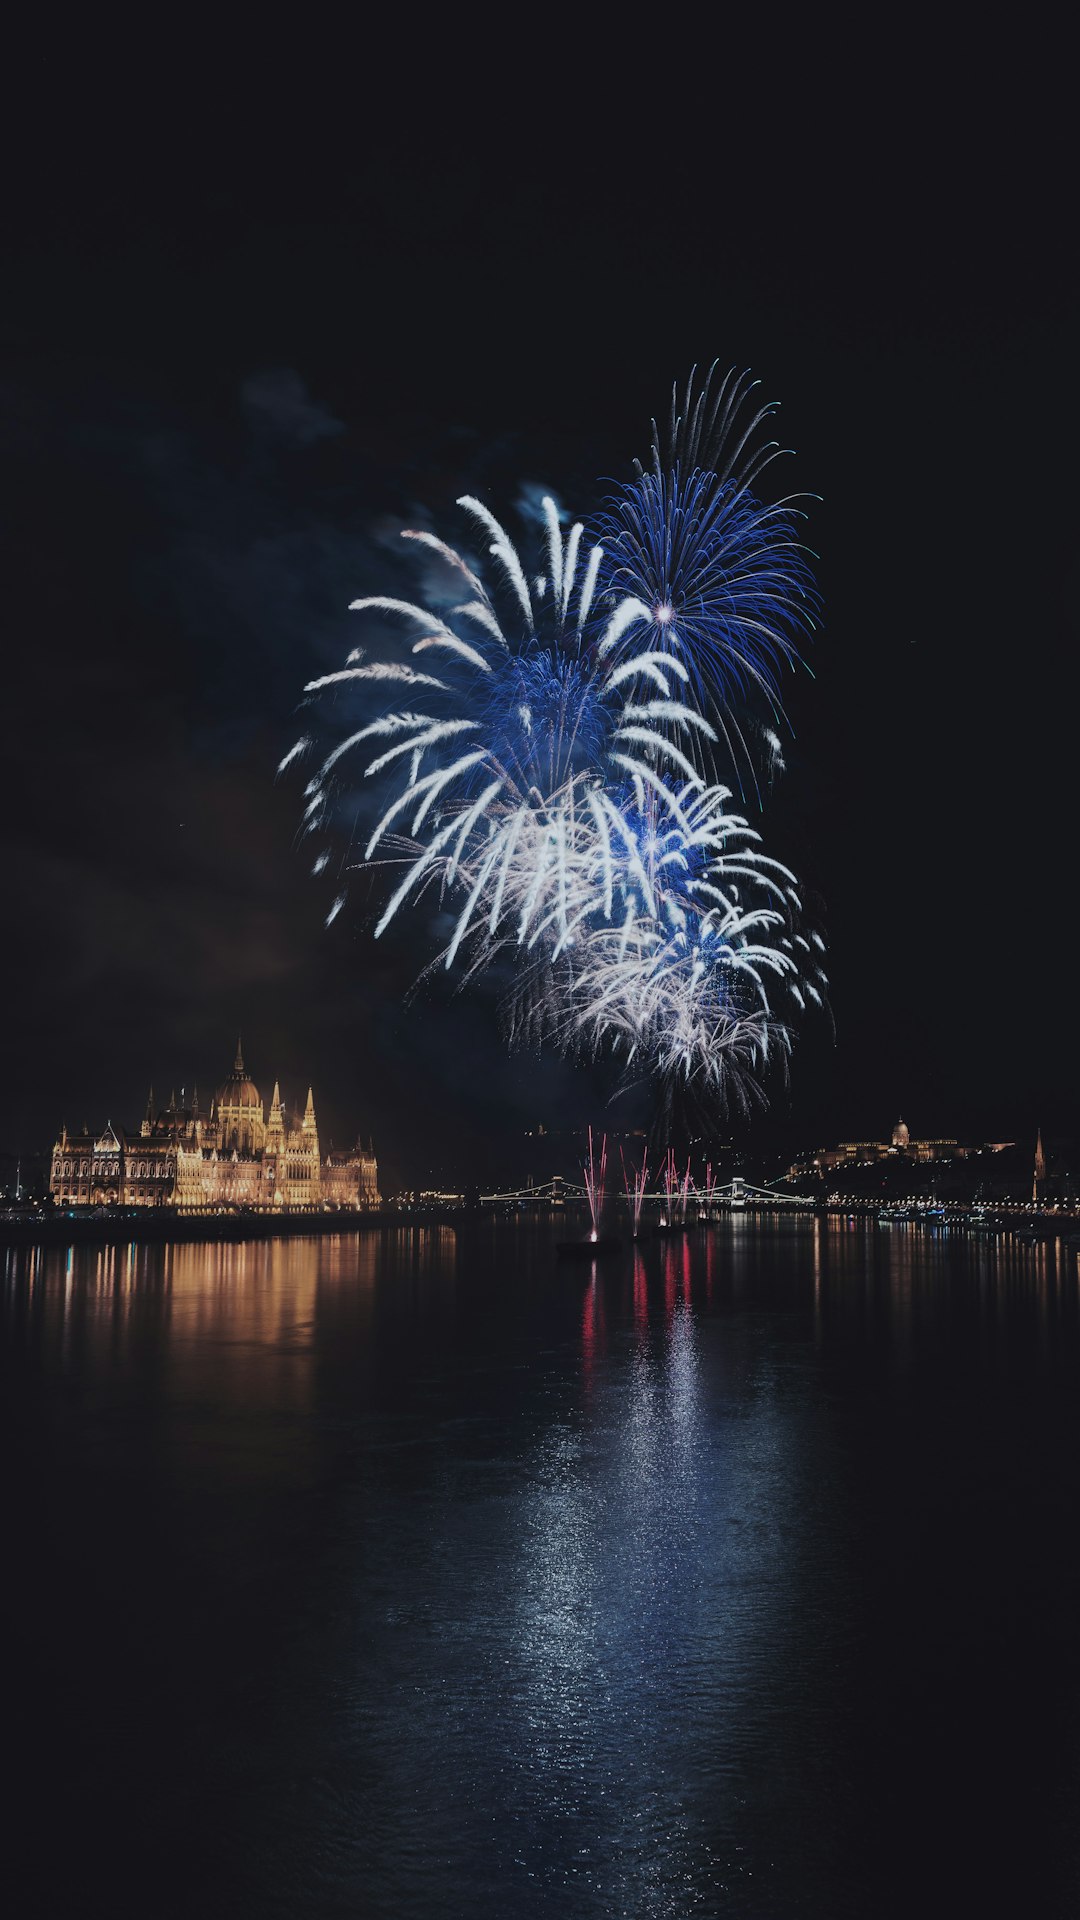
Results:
[596, 1248]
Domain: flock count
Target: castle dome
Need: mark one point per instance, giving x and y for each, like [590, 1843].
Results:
[238, 1090]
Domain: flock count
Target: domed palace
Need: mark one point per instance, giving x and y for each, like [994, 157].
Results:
[232, 1155]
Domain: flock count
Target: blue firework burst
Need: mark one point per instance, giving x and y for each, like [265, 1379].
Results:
[726, 579]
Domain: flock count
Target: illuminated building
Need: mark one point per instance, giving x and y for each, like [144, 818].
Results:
[231, 1155]
[862, 1153]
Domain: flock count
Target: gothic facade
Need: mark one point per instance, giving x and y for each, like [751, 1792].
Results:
[231, 1155]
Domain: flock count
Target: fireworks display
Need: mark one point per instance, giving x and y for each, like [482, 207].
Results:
[547, 762]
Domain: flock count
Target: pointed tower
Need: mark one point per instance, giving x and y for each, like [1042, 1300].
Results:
[148, 1120]
[238, 1063]
[275, 1171]
[1040, 1166]
[309, 1138]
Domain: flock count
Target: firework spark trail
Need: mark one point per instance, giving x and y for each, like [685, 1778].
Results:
[554, 784]
[671, 1185]
[716, 434]
[635, 1181]
[594, 1182]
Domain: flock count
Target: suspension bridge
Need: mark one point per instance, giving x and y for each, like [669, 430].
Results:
[681, 1200]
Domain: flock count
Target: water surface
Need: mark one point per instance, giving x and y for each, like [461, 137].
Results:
[410, 1574]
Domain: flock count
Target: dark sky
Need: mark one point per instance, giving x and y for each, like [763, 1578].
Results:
[264, 306]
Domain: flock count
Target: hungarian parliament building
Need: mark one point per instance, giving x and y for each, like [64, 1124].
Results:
[233, 1155]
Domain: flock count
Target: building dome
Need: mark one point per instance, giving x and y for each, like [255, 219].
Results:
[900, 1136]
[238, 1090]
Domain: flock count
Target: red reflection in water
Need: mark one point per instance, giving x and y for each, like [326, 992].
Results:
[593, 1330]
[669, 1279]
[686, 1269]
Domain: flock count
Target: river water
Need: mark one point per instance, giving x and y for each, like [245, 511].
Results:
[414, 1574]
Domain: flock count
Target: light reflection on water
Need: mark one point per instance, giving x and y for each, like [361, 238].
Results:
[410, 1573]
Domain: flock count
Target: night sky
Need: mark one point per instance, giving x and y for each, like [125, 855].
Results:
[264, 308]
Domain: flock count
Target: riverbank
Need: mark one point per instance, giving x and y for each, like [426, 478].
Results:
[160, 1224]
[164, 1223]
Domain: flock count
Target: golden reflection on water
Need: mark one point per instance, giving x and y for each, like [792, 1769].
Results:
[228, 1320]
[900, 1279]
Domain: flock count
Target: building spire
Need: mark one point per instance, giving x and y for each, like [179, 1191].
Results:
[238, 1063]
[275, 1126]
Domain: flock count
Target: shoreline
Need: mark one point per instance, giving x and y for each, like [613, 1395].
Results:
[163, 1225]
